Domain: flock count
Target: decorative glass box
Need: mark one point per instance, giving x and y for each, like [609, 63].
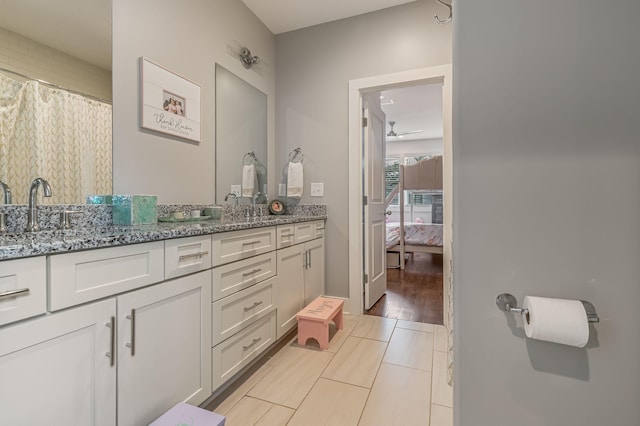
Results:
[135, 209]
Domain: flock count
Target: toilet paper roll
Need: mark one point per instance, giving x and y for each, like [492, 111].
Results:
[556, 320]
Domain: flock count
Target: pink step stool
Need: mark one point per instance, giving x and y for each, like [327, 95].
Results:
[313, 320]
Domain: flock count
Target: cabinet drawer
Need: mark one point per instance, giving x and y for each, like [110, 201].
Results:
[231, 246]
[231, 278]
[186, 255]
[80, 277]
[307, 231]
[319, 229]
[233, 313]
[23, 288]
[285, 236]
[233, 354]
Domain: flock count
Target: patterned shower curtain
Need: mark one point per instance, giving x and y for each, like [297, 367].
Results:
[62, 137]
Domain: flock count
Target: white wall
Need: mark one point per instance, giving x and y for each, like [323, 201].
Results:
[546, 202]
[314, 66]
[187, 37]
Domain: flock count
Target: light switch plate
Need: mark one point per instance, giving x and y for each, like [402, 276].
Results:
[282, 190]
[317, 189]
[236, 189]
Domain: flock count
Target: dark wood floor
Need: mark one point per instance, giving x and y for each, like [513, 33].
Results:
[414, 294]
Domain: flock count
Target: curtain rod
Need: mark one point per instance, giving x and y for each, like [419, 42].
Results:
[55, 86]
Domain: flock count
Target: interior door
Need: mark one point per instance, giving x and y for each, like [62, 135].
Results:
[374, 209]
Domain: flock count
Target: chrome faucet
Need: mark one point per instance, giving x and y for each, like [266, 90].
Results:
[231, 194]
[6, 191]
[253, 202]
[32, 213]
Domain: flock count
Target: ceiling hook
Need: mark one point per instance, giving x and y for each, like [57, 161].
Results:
[444, 21]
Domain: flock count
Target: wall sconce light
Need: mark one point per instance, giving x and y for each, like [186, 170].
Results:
[247, 59]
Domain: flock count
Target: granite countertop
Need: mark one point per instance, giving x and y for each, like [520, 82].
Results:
[17, 245]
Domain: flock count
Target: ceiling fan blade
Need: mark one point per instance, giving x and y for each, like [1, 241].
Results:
[410, 132]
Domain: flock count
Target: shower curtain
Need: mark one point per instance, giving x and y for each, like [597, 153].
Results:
[62, 137]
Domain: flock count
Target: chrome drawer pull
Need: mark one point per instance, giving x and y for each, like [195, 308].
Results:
[189, 256]
[254, 305]
[255, 271]
[251, 242]
[256, 340]
[132, 344]
[112, 354]
[14, 293]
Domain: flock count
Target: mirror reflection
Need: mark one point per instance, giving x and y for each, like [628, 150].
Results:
[241, 137]
[55, 98]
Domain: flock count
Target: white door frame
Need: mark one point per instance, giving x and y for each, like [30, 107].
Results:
[443, 74]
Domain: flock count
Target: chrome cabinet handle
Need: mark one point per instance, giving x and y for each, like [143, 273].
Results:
[309, 251]
[256, 340]
[253, 306]
[189, 256]
[255, 271]
[112, 354]
[250, 242]
[132, 344]
[14, 293]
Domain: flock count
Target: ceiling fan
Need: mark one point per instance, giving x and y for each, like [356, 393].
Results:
[393, 133]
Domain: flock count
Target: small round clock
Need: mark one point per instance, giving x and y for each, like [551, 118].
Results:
[276, 207]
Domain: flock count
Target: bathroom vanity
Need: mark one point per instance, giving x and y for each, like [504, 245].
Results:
[116, 325]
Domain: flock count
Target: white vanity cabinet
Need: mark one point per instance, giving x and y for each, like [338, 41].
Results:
[59, 369]
[164, 347]
[300, 273]
[244, 299]
[119, 335]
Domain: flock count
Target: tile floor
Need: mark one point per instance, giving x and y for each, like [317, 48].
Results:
[377, 371]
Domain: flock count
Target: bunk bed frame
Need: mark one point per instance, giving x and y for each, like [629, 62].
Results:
[424, 177]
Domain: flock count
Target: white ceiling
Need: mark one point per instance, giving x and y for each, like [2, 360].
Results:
[286, 15]
[415, 108]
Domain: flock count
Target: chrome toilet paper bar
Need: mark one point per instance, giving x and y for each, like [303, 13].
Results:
[508, 303]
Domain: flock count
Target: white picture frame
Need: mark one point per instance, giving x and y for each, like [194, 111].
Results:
[169, 103]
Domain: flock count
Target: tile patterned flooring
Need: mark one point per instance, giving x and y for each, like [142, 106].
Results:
[377, 371]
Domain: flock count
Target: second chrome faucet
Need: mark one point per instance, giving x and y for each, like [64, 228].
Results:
[32, 212]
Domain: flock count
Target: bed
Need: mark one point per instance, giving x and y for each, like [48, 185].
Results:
[424, 177]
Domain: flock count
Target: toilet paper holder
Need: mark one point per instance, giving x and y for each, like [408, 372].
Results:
[508, 303]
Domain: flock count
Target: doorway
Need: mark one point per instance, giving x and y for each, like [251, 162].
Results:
[357, 89]
[413, 134]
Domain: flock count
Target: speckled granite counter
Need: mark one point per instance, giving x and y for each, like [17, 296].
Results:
[16, 245]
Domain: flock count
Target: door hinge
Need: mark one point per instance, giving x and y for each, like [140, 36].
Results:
[366, 278]
[365, 200]
[364, 121]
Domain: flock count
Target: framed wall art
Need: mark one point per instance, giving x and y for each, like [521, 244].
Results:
[169, 103]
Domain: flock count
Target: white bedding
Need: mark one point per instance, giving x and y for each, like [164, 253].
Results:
[421, 234]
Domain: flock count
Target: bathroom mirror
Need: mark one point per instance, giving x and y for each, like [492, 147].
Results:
[66, 43]
[241, 128]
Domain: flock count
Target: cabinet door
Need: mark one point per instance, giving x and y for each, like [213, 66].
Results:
[55, 369]
[314, 272]
[164, 348]
[290, 266]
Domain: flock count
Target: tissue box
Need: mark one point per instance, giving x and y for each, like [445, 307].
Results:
[99, 199]
[213, 212]
[135, 209]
